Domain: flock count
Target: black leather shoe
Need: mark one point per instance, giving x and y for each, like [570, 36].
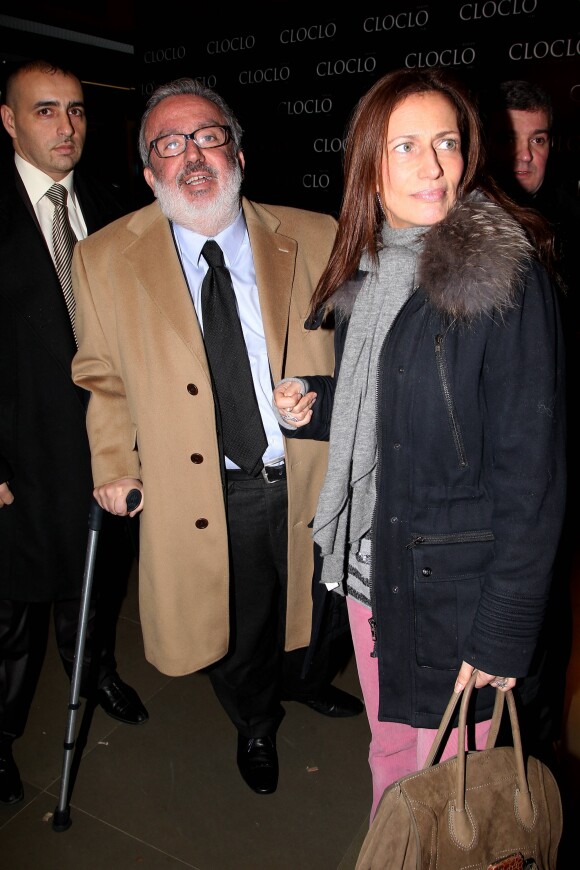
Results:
[258, 763]
[332, 701]
[11, 790]
[121, 702]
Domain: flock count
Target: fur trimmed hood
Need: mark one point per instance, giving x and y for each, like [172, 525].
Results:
[469, 265]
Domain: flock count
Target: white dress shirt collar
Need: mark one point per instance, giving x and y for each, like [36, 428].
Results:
[38, 182]
[230, 241]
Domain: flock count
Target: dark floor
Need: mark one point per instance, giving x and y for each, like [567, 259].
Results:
[167, 794]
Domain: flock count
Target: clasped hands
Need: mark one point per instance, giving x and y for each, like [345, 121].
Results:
[294, 406]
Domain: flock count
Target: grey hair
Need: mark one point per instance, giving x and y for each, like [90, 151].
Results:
[180, 87]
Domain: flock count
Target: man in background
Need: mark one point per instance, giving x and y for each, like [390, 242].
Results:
[519, 120]
[519, 123]
[45, 472]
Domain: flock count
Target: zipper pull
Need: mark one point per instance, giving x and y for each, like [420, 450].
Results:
[373, 625]
[418, 540]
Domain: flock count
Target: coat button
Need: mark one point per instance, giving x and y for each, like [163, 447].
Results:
[426, 572]
[396, 445]
[394, 589]
[401, 370]
[196, 458]
[202, 523]
[394, 519]
[192, 389]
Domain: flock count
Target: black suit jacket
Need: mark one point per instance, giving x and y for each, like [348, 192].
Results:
[44, 451]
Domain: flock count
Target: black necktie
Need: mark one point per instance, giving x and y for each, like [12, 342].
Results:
[63, 240]
[243, 435]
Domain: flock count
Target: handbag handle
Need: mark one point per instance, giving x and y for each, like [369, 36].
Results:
[448, 714]
[462, 824]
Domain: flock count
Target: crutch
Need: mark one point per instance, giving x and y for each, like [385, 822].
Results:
[61, 820]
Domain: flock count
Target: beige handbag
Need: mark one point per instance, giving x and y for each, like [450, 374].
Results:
[475, 811]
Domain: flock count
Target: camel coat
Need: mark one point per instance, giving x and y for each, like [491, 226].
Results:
[151, 415]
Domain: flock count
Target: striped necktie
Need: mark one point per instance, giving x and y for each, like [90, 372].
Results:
[63, 241]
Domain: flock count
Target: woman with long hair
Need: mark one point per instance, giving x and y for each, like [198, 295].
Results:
[444, 494]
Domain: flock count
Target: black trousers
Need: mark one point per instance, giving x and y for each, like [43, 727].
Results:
[23, 636]
[24, 628]
[256, 674]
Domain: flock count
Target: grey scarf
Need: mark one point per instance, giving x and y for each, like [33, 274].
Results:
[347, 499]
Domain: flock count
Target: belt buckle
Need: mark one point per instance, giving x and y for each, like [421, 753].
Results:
[264, 472]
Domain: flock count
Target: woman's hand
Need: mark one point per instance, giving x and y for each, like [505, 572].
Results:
[483, 679]
[294, 407]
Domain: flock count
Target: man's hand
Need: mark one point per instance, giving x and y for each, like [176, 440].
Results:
[112, 496]
[6, 496]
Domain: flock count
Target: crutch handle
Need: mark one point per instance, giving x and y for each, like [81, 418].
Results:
[133, 499]
[96, 514]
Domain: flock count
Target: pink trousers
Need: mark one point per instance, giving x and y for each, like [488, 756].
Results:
[395, 750]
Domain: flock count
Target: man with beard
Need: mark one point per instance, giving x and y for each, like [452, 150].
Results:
[182, 412]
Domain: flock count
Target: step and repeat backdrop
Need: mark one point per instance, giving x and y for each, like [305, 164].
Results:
[293, 72]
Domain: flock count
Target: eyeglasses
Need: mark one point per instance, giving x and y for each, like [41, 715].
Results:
[174, 144]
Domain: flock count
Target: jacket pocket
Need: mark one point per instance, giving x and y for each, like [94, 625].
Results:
[448, 571]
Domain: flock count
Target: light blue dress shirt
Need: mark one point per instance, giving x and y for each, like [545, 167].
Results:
[235, 244]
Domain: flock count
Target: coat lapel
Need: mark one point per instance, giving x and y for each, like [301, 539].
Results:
[274, 260]
[156, 264]
[30, 283]
[154, 258]
[98, 202]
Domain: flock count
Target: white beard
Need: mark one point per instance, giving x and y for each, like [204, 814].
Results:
[207, 216]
